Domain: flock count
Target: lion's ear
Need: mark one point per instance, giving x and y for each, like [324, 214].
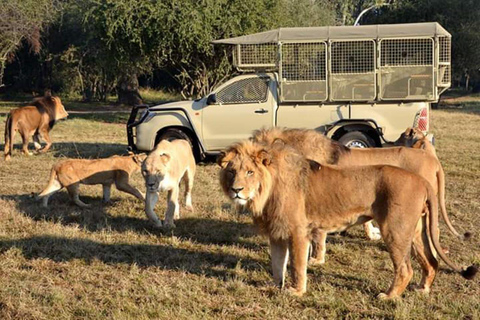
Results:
[410, 131]
[263, 157]
[138, 158]
[165, 157]
[224, 157]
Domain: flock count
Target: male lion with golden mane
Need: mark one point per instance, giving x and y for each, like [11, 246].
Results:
[73, 172]
[34, 120]
[165, 167]
[327, 199]
[313, 145]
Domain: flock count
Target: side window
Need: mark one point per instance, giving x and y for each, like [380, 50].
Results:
[250, 90]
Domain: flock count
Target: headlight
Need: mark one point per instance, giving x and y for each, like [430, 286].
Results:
[147, 116]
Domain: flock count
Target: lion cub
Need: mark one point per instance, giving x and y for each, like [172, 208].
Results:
[163, 170]
[73, 172]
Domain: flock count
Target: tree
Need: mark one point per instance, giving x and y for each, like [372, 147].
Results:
[460, 18]
[19, 21]
[176, 35]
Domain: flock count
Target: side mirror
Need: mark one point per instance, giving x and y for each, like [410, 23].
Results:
[212, 99]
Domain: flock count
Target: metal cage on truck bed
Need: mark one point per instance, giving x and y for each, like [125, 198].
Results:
[398, 62]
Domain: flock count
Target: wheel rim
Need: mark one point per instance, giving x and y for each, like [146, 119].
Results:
[356, 144]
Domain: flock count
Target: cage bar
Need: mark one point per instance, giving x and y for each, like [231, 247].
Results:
[304, 72]
[353, 70]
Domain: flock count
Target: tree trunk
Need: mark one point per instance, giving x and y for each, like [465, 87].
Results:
[127, 90]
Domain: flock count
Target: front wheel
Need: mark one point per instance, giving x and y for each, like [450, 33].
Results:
[174, 134]
[357, 139]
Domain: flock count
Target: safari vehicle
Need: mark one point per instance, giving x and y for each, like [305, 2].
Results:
[359, 85]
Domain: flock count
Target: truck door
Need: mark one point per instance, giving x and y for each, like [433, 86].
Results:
[242, 105]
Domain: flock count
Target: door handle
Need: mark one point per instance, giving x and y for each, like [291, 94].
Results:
[261, 111]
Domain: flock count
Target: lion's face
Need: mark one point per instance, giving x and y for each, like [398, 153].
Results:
[60, 112]
[155, 170]
[244, 175]
[409, 137]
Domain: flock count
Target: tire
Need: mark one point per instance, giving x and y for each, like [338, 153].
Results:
[174, 134]
[357, 139]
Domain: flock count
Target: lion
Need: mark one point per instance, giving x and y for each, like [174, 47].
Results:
[165, 167]
[34, 120]
[414, 138]
[313, 145]
[322, 198]
[73, 172]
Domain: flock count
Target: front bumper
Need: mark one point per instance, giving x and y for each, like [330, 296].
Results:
[133, 122]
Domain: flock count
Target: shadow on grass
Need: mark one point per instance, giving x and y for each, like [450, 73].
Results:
[114, 117]
[61, 249]
[96, 218]
[77, 150]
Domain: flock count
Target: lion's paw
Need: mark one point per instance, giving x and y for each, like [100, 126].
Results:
[420, 289]
[316, 262]
[158, 225]
[295, 292]
[384, 296]
[169, 225]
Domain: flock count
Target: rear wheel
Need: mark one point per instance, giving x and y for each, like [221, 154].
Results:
[357, 139]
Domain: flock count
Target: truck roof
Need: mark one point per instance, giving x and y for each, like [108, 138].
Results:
[405, 30]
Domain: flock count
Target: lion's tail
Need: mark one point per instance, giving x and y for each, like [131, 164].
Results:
[432, 202]
[441, 198]
[53, 185]
[9, 137]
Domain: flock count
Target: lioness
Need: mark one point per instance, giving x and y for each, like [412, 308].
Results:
[163, 170]
[73, 172]
[34, 120]
[414, 138]
[313, 145]
[327, 199]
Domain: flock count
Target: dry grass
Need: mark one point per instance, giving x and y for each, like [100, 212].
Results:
[107, 261]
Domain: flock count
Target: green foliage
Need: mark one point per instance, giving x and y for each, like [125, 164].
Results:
[460, 18]
[22, 20]
[176, 35]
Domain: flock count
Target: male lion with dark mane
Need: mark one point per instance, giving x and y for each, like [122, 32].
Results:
[313, 145]
[34, 120]
[403, 204]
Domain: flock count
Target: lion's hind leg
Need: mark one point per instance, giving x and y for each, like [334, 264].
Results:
[425, 256]
[44, 134]
[173, 210]
[36, 141]
[188, 178]
[25, 139]
[53, 186]
[398, 240]
[279, 257]
[73, 191]
[318, 248]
